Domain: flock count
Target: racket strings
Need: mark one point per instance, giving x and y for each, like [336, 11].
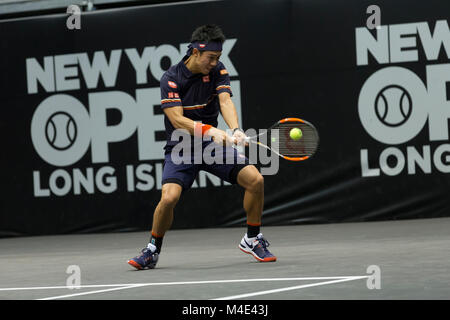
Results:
[281, 140]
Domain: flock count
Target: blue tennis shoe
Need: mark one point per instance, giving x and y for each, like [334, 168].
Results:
[257, 247]
[146, 260]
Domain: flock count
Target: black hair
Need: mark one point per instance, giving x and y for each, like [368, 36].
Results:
[208, 33]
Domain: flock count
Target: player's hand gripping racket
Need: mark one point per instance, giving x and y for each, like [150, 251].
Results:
[293, 139]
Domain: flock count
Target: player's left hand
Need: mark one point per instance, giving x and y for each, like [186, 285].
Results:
[240, 138]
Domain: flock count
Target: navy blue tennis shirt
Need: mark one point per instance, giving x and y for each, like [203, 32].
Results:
[196, 93]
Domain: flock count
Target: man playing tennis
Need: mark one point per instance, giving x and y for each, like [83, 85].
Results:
[193, 92]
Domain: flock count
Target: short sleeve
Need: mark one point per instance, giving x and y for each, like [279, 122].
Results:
[223, 80]
[170, 96]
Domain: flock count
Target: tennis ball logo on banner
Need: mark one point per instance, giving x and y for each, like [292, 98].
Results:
[61, 130]
[64, 129]
[395, 104]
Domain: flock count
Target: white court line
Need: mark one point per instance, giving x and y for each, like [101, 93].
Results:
[90, 292]
[170, 283]
[66, 287]
[135, 285]
[259, 293]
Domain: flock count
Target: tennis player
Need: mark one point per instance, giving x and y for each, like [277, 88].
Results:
[193, 92]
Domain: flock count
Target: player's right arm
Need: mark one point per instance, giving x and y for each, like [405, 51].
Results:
[179, 121]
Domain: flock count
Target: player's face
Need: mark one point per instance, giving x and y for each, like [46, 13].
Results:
[208, 60]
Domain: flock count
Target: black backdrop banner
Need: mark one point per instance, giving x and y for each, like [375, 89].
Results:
[82, 131]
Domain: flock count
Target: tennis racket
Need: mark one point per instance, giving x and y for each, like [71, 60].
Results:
[279, 139]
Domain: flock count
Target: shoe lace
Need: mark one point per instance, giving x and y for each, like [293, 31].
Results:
[145, 252]
[264, 243]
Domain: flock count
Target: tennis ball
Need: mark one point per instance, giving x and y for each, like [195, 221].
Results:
[295, 134]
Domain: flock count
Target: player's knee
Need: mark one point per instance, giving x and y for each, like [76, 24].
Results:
[169, 198]
[257, 183]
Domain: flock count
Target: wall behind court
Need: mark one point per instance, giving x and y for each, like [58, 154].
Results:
[82, 131]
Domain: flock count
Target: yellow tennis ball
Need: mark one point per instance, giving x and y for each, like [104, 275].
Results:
[295, 134]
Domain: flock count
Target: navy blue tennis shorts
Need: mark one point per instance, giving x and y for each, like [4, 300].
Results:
[185, 173]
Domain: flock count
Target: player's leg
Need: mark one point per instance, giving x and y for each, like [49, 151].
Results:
[240, 171]
[253, 241]
[253, 183]
[162, 220]
[175, 179]
[163, 215]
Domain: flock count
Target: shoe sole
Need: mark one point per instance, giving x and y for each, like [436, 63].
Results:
[135, 264]
[139, 267]
[270, 259]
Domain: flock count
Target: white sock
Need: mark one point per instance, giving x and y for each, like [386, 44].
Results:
[152, 247]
